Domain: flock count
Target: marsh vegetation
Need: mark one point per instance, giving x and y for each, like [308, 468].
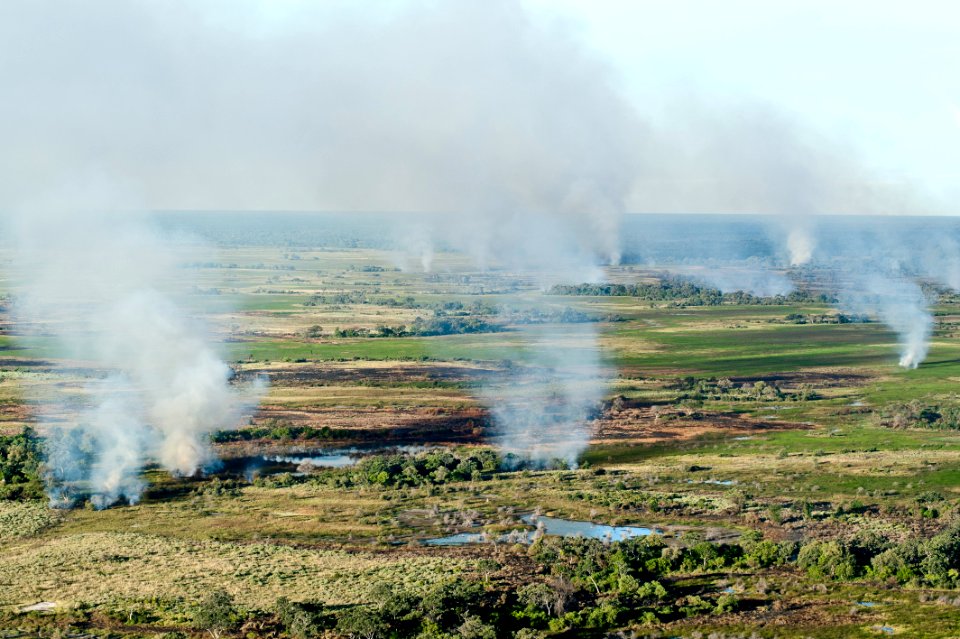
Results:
[788, 471]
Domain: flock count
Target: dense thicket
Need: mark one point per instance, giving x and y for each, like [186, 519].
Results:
[20, 464]
[426, 468]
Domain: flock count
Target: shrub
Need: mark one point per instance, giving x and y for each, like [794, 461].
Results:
[299, 622]
[449, 602]
[361, 623]
[216, 614]
[474, 628]
[827, 559]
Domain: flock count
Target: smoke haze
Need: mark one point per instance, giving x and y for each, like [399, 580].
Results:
[499, 120]
[102, 289]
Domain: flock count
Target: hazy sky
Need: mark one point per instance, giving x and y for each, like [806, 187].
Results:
[884, 73]
[745, 105]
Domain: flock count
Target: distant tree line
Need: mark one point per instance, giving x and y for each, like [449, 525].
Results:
[493, 321]
[827, 318]
[726, 389]
[277, 431]
[426, 468]
[676, 289]
[426, 328]
[359, 297]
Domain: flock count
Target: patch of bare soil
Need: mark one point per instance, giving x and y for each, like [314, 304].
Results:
[651, 424]
[349, 426]
[313, 375]
[816, 379]
[13, 417]
[640, 424]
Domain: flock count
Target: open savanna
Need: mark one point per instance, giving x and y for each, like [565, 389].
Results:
[716, 422]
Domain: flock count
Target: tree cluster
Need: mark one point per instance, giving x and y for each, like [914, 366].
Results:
[933, 562]
[426, 468]
[20, 466]
[691, 388]
[681, 290]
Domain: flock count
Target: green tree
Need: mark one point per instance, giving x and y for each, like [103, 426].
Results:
[359, 622]
[216, 614]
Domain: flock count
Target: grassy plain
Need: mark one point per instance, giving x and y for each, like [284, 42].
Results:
[819, 468]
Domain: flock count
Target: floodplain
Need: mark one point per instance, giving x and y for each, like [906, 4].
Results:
[798, 483]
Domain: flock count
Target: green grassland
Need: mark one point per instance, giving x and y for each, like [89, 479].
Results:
[827, 468]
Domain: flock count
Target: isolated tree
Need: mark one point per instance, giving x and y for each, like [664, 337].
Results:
[216, 614]
[298, 621]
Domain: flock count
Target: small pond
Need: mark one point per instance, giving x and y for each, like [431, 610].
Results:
[290, 460]
[338, 457]
[549, 526]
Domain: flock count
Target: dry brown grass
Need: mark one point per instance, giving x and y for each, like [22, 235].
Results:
[104, 567]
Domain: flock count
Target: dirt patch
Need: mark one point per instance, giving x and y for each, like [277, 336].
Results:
[349, 426]
[817, 379]
[13, 417]
[652, 424]
[351, 373]
[639, 424]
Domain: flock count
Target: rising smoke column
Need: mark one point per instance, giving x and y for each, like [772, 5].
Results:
[536, 174]
[800, 244]
[474, 109]
[105, 292]
[901, 305]
[543, 408]
[544, 403]
[503, 123]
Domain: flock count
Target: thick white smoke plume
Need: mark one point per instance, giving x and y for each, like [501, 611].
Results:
[505, 124]
[543, 409]
[499, 121]
[901, 305]
[103, 291]
[800, 245]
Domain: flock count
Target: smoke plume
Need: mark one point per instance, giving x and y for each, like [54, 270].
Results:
[543, 408]
[103, 291]
[503, 124]
[901, 305]
[506, 125]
